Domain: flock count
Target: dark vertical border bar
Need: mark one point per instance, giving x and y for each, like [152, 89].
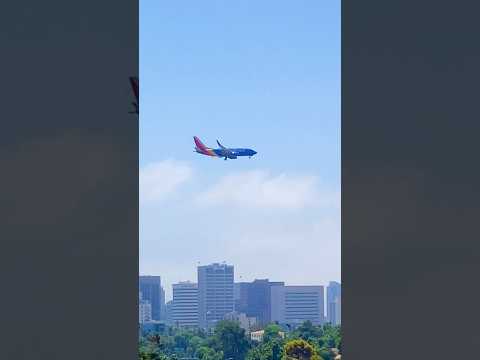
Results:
[410, 177]
[69, 180]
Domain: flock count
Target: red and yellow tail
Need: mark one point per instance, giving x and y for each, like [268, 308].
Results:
[201, 148]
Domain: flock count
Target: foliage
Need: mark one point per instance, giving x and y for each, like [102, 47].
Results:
[332, 336]
[207, 353]
[230, 338]
[271, 332]
[307, 331]
[299, 349]
[229, 341]
[194, 345]
[323, 338]
[267, 350]
[149, 353]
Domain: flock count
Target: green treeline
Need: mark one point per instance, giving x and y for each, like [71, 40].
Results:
[230, 342]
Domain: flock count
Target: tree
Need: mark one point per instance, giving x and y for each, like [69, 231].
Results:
[271, 350]
[325, 354]
[230, 338]
[307, 331]
[258, 353]
[271, 332]
[194, 344]
[181, 342]
[207, 353]
[332, 336]
[154, 339]
[299, 349]
[143, 354]
[149, 353]
[276, 350]
[228, 341]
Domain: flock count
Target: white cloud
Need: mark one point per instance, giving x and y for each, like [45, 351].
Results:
[158, 180]
[260, 189]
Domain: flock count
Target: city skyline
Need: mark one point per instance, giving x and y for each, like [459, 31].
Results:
[167, 285]
[168, 289]
[216, 296]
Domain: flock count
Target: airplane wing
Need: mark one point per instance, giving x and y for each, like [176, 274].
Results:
[226, 151]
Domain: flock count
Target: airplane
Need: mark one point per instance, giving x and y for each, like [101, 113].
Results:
[134, 84]
[224, 152]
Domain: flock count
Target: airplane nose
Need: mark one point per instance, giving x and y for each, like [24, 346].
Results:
[254, 152]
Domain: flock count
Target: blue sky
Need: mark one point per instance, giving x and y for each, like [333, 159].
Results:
[258, 74]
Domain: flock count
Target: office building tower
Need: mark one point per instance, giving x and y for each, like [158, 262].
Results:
[169, 312]
[150, 287]
[144, 310]
[215, 293]
[259, 300]
[185, 304]
[338, 310]
[334, 303]
[162, 304]
[240, 290]
[292, 305]
[254, 299]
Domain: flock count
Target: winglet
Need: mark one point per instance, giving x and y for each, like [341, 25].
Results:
[223, 147]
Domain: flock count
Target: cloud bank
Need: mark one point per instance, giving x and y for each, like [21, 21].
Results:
[262, 190]
[158, 180]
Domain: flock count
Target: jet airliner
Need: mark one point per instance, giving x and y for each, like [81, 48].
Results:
[226, 153]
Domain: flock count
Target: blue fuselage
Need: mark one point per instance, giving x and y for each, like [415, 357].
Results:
[234, 153]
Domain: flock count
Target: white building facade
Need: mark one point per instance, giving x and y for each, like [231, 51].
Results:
[185, 305]
[292, 305]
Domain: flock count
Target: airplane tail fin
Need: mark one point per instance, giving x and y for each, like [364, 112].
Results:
[200, 146]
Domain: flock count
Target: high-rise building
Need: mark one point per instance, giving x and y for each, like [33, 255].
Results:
[185, 304]
[168, 312]
[254, 299]
[144, 310]
[150, 287]
[260, 300]
[293, 305]
[338, 310]
[215, 293]
[162, 304]
[240, 290]
[334, 303]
